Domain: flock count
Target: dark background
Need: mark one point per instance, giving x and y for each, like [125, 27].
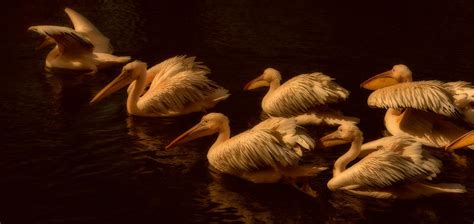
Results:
[63, 161]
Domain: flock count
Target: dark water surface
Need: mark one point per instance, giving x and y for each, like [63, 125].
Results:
[63, 161]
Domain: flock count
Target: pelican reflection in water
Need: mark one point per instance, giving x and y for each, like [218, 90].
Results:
[267, 153]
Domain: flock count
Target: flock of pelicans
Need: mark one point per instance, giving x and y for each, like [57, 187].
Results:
[419, 113]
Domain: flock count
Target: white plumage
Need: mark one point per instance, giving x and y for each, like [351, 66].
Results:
[422, 95]
[302, 94]
[421, 109]
[267, 153]
[176, 88]
[274, 143]
[397, 170]
[84, 49]
[463, 94]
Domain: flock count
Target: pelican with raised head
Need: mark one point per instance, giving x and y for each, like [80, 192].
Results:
[420, 109]
[83, 48]
[306, 94]
[396, 171]
[175, 90]
[267, 153]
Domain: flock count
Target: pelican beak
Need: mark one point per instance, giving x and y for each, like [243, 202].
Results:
[199, 130]
[463, 141]
[119, 82]
[379, 81]
[256, 83]
[47, 42]
[332, 139]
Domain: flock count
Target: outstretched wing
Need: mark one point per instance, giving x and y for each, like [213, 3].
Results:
[422, 95]
[84, 26]
[68, 40]
[303, 93]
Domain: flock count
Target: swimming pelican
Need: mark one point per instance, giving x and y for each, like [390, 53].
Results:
[396, 89]
[267, 153]
[85, 48]
[174, 90]
[302, 94]
[398, 171]
[417, 109]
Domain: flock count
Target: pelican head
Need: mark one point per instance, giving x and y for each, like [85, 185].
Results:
[130, 72]
[344, 134]
[463, 141]
[210, 124]
[399, 73]
[264, 80]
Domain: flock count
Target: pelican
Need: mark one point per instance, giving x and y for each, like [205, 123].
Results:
[174, 90]
[302, 94]
[267, 153]
[398, 171]
[83, 48]
[447, 99]
[418, 109]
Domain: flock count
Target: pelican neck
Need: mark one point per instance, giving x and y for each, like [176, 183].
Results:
[341, 163]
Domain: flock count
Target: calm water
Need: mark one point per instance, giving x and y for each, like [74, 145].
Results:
[63, 161]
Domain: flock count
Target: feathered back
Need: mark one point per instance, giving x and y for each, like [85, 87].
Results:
[302, 93]
[172, 66]
[422, 95]
[274, 143]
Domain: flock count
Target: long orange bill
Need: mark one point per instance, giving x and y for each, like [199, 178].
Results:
[197, 131]
[379, 81]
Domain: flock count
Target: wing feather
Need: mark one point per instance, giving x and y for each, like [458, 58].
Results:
[463, 94]
[303, 93]
[271, 144]
[385, 167]
[428, 128]
[172, 66]
[68, 40]
[422, 95]
[84, 26]
[174, 94]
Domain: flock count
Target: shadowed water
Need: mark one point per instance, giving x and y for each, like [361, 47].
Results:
[64, 161]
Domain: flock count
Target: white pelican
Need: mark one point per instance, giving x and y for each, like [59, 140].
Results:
[401, 91]
[399, 171]
[267, 153]
[85, 48]
[417, 109]
[302, 94]
[174, 91]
